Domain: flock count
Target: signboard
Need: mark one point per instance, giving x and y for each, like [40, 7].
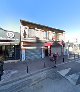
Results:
[10, 34]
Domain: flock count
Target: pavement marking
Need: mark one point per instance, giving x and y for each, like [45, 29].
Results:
[64, 72]
[63, 63]
[8, 73]
[78, 61]
[72, 78]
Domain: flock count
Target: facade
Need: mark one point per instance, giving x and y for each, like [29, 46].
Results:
[72, 47]
[39, 41]
[9, 44]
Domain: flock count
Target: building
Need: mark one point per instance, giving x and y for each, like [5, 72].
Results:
[9, 44]
[39, 41]
[72, 47]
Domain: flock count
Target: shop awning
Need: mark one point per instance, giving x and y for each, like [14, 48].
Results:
[48, 44]
[9, 43]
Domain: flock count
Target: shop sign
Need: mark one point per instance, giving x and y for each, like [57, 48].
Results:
[10, 34]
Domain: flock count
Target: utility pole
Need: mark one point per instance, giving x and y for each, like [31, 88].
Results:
[20, 44]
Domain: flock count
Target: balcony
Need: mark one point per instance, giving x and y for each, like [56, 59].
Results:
[29, 39]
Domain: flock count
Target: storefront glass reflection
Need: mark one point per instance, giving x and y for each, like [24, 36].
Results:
[10, 51]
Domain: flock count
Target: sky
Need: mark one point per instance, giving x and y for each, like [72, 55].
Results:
[60, 14]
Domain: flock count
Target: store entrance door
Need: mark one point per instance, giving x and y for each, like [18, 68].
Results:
[46, 50]
[10, 52]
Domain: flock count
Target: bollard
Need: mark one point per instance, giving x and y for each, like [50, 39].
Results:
[74, 56]
[27, 69]
[78, 55]
[63, 59]
[44, 64]
[0, 77]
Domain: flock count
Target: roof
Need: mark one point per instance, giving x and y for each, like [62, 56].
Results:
[6, 36]
[39, 26]
[7, 30]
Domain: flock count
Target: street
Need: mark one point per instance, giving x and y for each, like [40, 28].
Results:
[64, 78]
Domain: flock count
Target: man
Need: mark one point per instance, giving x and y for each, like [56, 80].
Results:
[1, 69]
[55, 58]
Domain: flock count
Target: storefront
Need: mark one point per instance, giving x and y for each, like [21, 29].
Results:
[9, 44]
[48, 46]
[39, 41]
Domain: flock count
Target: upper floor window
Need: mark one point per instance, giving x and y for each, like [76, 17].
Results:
[45, 35]
[31, 33]
[59, 36]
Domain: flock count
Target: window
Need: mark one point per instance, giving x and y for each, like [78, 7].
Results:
[31, 33]
[45, 35]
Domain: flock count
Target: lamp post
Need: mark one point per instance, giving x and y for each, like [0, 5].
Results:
[20, 44]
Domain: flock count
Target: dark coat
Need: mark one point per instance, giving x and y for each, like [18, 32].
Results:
[1, 67]
[54, 56]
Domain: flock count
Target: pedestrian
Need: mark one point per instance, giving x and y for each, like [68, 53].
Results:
[0, 76]
[55, 59]
[57, 55]
[51, 57]
[2, 63]
[1, 69]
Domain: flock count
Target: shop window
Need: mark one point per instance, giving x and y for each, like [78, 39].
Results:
[45, 35]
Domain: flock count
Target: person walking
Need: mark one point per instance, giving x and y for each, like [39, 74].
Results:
[55, 58]
[1, 69]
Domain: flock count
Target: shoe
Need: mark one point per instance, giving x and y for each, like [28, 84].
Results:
[55, 66]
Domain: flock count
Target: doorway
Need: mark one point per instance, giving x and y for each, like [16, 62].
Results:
[46, 50]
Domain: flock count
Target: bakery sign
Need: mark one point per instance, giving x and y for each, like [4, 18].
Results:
[10, 34]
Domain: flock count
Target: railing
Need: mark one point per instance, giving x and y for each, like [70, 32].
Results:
[29, 39]
[36, 39]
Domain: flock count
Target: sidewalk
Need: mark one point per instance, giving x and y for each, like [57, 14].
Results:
[15, 70]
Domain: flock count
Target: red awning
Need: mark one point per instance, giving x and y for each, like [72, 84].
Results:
[48, 44]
